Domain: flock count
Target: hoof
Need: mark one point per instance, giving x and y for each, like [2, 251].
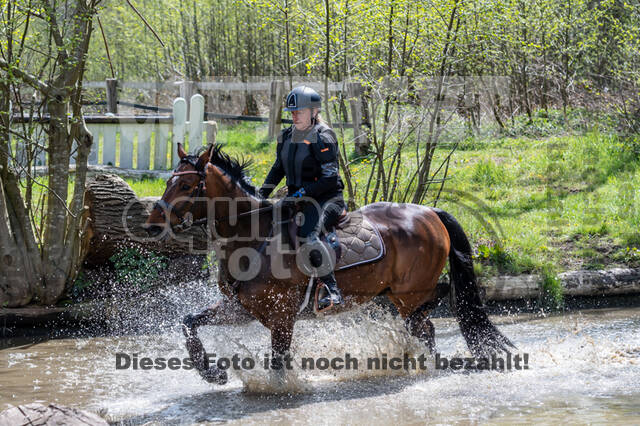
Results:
[215, 375]
[188, 331]
[278, 378]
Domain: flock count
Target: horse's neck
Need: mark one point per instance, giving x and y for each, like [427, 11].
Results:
[238, 228]
[225, 248]
[234, 220]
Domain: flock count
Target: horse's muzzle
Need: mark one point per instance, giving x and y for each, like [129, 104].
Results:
[153, 229]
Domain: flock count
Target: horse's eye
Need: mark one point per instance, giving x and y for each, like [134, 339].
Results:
[185, 187]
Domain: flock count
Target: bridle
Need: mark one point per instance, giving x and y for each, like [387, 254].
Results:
[188, 222]
[186, 218]
[185, 222]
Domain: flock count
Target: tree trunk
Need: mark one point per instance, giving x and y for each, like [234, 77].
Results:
[55, 275]
[19, 256]
[45, 270]
[115, 217]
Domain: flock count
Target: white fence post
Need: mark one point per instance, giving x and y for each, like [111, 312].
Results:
[127, 133]
[179, 124]
[196, 122]
[144, 146]
[109, 144]
[160, 149]
[135, 139]
[95, 130]
[211, 127]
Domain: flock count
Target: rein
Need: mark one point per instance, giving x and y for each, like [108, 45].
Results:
[187, 222]
[201, 222]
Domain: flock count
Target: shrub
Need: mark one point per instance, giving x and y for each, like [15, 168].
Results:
[136, 268]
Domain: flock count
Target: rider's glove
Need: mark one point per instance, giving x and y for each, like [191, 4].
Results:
[299, 193]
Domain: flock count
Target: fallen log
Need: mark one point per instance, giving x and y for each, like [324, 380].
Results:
[608, 282]
[114, 219]
[52, 414]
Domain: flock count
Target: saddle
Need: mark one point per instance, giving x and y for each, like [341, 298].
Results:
[359, 241]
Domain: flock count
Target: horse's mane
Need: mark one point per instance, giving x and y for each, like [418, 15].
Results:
[234, 168]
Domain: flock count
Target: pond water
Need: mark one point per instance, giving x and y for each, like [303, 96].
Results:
[583, 366]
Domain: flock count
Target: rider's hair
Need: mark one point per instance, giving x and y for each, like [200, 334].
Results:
[318, 118]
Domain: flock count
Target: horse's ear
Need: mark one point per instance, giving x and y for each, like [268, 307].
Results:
[181, 152]
[204, 158]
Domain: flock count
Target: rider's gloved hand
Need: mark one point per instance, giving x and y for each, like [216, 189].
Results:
[291, 200]
[299, 193]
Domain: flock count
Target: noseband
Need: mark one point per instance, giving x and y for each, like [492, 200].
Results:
[163, 206]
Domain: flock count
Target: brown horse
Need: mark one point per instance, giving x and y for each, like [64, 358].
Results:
[418, 242]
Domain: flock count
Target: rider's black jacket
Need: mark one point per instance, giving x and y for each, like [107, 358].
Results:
[311, 163]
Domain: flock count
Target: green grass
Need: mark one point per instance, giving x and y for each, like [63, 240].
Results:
[148, 187]
[570, 201]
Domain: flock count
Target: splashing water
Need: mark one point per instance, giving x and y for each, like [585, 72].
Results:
[584, 366]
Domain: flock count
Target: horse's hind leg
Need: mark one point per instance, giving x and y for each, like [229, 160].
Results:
[417, 320]
[419, 325]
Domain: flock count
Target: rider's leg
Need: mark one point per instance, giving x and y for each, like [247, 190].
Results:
[328, 217]
[314, 221]
[330, 214]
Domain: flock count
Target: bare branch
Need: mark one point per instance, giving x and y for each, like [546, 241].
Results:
[31, 80]
[106, 47]
[146, 23]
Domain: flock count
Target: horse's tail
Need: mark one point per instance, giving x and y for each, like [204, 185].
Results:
[481, 335]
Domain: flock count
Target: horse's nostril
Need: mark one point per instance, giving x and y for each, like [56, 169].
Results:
[152, 229]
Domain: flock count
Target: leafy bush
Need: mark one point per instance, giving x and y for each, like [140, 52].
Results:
[137, 269]
[496, 255]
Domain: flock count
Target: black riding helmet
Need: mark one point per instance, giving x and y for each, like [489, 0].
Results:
[303, 97]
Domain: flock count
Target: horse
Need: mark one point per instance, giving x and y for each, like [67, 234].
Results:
[213, 190]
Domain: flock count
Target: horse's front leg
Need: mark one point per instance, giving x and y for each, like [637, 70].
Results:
[281, 336]
[222, 312]
[281, 360]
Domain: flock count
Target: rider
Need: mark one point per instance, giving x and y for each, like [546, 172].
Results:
[307, 154]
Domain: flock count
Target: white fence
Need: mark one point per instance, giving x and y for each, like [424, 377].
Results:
[139, 143]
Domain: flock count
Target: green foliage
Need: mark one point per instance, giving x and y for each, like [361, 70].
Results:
[629, 255]
[488, 173]
[80, 285]
[589, 230]
[244, 137]
[137, 269]
[495, 255]
[552, 295]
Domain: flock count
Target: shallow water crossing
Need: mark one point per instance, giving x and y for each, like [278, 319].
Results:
[582, 366]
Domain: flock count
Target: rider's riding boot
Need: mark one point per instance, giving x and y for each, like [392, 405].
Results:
[333, 291]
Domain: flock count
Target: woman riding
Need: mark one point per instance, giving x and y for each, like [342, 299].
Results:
[307, 154]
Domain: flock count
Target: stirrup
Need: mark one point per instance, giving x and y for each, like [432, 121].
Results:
[329, 296]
